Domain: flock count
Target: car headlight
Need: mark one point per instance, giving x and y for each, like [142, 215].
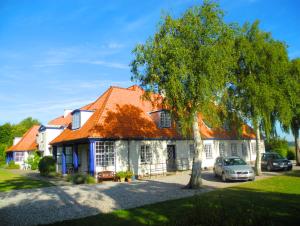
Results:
[251, 171]
[275, 164]
[289, 163]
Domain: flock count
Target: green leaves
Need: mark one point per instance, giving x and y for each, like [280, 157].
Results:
[188, 59]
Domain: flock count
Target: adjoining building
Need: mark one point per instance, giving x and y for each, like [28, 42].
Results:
[23, 147]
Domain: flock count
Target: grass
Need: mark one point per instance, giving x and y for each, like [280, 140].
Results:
[272, 201]
[10, 181]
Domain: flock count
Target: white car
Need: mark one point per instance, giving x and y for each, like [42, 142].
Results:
[233, 168]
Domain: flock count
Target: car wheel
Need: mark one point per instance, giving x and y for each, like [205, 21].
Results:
[224, 177]
[215, 174]
[252, 179]
[269, 168]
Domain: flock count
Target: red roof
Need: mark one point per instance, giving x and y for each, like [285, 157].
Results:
[124, 113]
[28, 141]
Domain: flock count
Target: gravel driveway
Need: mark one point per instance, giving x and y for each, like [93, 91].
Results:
[47, 205]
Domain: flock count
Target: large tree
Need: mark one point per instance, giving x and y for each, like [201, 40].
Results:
[188, 60]
[262, 63]
[293, 90]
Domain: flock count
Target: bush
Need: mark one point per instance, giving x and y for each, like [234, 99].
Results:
[278, 145]
[34, 160]
[291, 155]
[129, 174]
[47, 166]
[12, 165]
[121, 174]
[281, 151]
[78, 178]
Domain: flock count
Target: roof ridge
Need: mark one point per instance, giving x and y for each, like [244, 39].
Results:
[101, 110]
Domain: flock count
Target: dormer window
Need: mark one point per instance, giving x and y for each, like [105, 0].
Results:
[165, 119]
[76, 120]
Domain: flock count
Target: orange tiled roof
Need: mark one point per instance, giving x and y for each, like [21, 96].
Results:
[28, 141]
[123, 113]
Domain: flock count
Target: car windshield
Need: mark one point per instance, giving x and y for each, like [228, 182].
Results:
[234, 161]
[275, 156]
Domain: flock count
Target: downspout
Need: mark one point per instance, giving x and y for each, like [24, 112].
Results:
[128, 154]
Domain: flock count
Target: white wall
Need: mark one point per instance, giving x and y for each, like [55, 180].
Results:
[84, 116]
[26, 155]
[183, 157]
[45, 137]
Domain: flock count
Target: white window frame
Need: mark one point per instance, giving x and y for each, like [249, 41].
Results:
[19, 156]
[222, 149]
[234, 151]
[208, 151]
[165, 119]
[145, 154]
[76, 120]
[104, 153]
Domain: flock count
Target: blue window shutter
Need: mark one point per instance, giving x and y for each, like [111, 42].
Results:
[75, 157]
[63, 162]
[92, 158]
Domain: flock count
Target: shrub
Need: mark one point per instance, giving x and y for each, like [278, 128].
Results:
[90, 179]
[129, 174]
[34, 160]
[78, 178]
[291, 154]
[47, 166]
[278, 145]
[121, 174]
[281, 151]
[12, 165]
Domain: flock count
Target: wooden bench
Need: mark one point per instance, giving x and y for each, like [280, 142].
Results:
[106, 175]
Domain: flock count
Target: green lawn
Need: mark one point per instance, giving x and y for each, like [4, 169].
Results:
[272, 201]
[10, 181]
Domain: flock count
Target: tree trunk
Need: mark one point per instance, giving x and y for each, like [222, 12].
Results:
[258, 152]
[297, 149]
[196, 180]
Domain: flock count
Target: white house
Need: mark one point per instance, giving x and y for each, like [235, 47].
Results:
[23, 147]
[122, 131]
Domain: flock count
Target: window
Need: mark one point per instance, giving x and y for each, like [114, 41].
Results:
[76, 120]
[234, 150]
[165, 119]
[69, 156]
[192, 151]
[105, 153]
[58, 155]
[244, 149]
[253, 148]
[19, 156]
[222, 149]
[146, 154]
[208, 151]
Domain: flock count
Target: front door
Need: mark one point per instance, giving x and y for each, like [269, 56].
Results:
[171, 158]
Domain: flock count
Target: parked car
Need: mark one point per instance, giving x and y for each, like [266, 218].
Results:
[274, 161]
[233, 168]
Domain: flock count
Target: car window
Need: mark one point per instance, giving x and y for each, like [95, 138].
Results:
[234, 161]
[277, 156]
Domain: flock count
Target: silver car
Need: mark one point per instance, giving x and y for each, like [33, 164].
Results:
[233, 168]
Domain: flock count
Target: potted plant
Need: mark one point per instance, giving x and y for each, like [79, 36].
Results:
[129, 175]
[121, 176]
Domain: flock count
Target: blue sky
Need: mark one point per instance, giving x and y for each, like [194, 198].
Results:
[62, 54]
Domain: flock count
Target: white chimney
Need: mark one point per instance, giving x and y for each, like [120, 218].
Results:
[16, 140]
[66, 112]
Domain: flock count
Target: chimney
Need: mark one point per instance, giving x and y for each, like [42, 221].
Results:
[16, 140]
[66, 112]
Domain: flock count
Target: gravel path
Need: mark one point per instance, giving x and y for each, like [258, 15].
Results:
[51, 204]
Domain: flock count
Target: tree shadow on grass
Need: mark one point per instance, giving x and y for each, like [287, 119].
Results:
[230, 206]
